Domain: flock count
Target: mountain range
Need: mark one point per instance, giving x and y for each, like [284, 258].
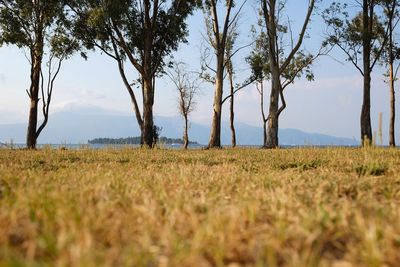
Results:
[77, 126]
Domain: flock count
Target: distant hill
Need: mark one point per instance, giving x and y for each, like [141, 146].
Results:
[80, 125]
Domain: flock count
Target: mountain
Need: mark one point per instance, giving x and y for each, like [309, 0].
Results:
[77, 126]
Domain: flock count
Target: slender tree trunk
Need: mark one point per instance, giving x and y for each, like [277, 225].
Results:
[148, 102]
[273, 117]
[186, 133]
[232, 108]
[365, 120]
[220, 46]
[264, 118]
[392, 141]
[37, 55]
[215, 137]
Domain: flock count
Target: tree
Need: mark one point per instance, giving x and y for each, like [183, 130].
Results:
[39, 26]
[143, 33]
[218, 33]
[258, 61]
[285, 65]
[230, 71]
[230, 51]
[391, 53]
[362, 39]
[187, 87]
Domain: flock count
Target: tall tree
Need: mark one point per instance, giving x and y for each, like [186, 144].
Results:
[284, 65]
[187, 87]
[217, 35]
[141, 32]
[230, 52]
[260, 71]
[39, 26]
[231, 73]
[362, 39]
[390, 55]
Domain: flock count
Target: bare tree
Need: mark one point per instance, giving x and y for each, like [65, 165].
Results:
[260, 71]
[229, 53]
[223, 45]
[283, 66]
[217, 37]
[188, 87]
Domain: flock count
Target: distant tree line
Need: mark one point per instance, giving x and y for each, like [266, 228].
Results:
[137, 141]
[141, 35]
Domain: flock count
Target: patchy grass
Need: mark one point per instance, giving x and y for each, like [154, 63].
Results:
[231, 207]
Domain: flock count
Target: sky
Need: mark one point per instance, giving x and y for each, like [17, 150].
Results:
[329, 105]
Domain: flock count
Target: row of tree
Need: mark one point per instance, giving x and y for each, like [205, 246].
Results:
[140, 35]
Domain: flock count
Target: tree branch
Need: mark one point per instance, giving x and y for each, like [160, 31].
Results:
[350, 58]
[385, 37]
[127, 85]
[238, 89]
[301, 37]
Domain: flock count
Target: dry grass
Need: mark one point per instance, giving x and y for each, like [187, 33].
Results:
[242, 207]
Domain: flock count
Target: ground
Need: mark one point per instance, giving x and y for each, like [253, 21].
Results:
[231, 207]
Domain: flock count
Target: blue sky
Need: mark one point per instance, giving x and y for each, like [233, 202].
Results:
[330, 105]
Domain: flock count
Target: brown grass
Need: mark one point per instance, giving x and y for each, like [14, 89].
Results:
[241, 207]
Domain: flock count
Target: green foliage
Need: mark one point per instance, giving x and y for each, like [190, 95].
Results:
[259, 58]
[347, 32]
[221, 36]
[33, 24]
[391, 53]
[131, 26]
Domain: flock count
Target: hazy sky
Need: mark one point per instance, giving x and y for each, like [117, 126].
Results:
[330, 105]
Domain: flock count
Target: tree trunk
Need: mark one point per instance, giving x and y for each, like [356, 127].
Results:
[232, 109]
[366, 130]
[32, 123]
[186, 134]
[147, 74]
[36, 67]
[365, 120]
[264, 119]
[148, 102]
[273, 117]
[215, 137]
[392, 141]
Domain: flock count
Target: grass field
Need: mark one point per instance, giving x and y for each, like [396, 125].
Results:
[231, 207]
